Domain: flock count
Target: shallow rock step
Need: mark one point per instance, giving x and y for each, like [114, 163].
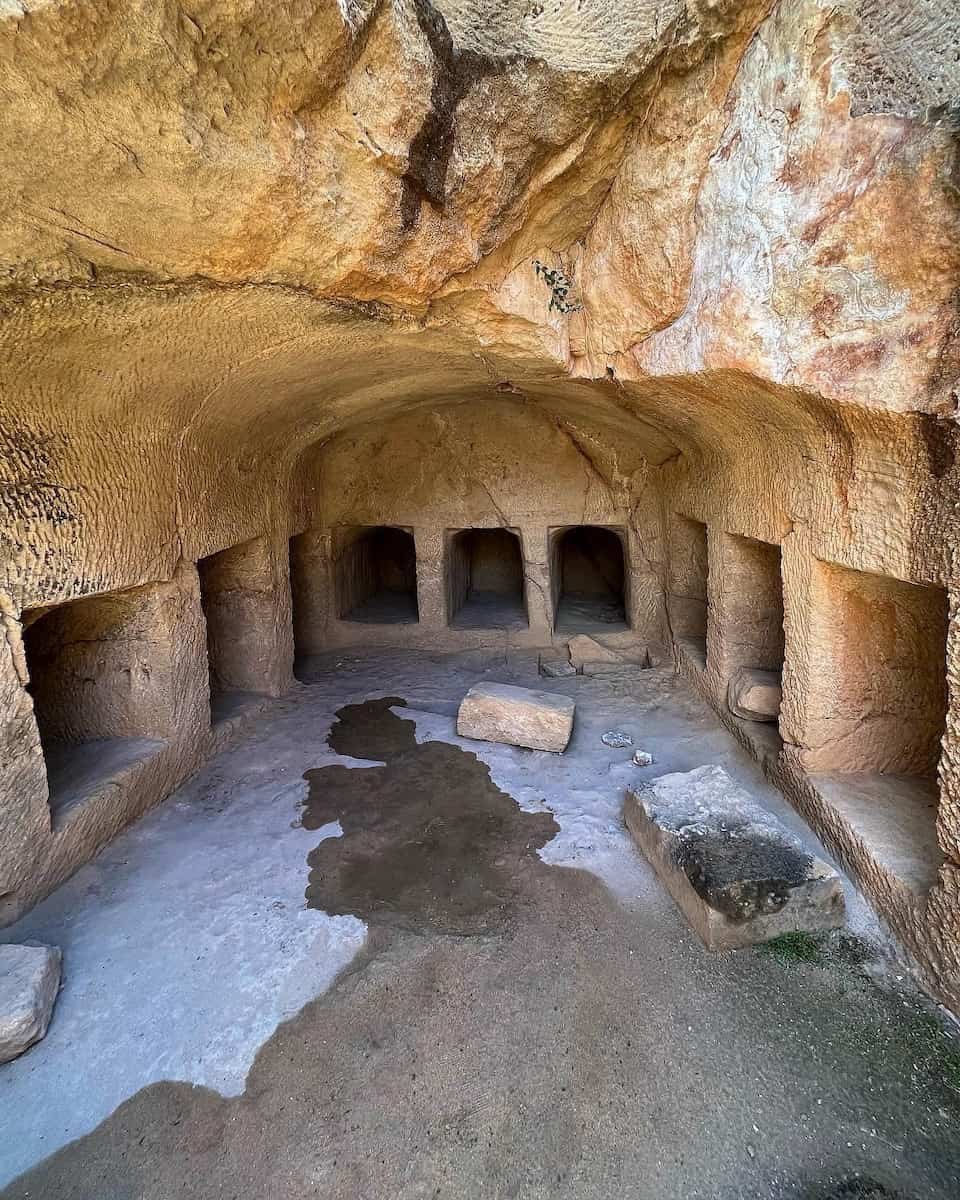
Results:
[499, 712]
[737, 874]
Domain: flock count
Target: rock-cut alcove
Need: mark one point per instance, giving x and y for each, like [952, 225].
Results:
[589, 578]
[485, 583]
[99, 680]
[377, 576]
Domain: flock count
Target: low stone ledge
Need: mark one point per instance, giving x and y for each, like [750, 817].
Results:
[737, 873]
[499, 712]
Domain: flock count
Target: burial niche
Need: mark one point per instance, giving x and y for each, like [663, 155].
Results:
[376, 576]
[98, 676]
[485, 580]
[588, 579]
[876, 711]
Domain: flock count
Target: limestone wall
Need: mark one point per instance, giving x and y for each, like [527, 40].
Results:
[503, 465]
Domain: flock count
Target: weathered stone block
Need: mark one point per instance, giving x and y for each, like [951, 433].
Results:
[738, 875]
[755, 695]
[499, 712]
[29, 980]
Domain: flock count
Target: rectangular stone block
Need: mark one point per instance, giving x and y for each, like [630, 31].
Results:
[736, 872]
[499, 712]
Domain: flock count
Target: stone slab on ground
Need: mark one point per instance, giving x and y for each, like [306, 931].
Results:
[735, 871]
[500, 712]
[29, 981]
[755, 695]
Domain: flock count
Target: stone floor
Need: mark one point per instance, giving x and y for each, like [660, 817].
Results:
[490, 610]
[386, 608]
[590, 614]
[474, 987]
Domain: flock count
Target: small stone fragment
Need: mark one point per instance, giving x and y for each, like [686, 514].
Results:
[556, 666]
[738, 875]
[617, 739]
[29, 981]
[642, 759]
[754, 695]
[500, 712]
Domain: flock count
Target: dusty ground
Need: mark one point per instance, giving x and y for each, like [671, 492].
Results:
[528, 1016]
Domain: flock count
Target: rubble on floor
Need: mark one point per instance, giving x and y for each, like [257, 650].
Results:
[499, 712]
[29, 982]
[587, 656]
[735, 871]
[591, 657]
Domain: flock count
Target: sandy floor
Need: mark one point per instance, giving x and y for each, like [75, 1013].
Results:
[486, 994]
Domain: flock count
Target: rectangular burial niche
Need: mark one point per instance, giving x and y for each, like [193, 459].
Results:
[751, 637]
[687, 596]
[588, 579]
[230, 583]
[96, 677]
[876, 712]
[485, 580]
[376, 576]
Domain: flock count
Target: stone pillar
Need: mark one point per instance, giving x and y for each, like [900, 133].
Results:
[535, 553]
[24, 808]
[431, 543]
[311, 588]
[796, 559]
[181, 635]
[687, 577]
[246, 601]
[948, 816]
[646, 611]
